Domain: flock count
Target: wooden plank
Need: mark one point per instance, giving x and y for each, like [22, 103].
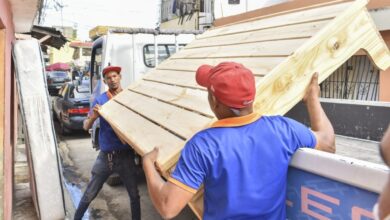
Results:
[142, 134]
[193, 99]
[177, 78]
[177, 120]
[302, 30]
[324, 53]
[315, 14]
[279, 48]
[260, 66]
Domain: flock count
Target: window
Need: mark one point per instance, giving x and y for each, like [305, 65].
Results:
[76, 53]
[164, 51]
[97, 64]
[86, 52]
[79, 92]
[58, 74]
[234, 2]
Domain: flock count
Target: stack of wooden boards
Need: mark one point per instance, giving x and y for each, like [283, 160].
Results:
[283, 50]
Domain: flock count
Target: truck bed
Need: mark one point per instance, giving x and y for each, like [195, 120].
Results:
[358, 148]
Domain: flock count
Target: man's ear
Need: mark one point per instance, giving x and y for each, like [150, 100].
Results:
[215, 102]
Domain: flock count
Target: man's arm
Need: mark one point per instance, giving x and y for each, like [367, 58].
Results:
[168, 198]
[87, 124]
[320, 124]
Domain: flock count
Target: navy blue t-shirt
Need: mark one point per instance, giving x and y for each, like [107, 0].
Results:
[108, 140]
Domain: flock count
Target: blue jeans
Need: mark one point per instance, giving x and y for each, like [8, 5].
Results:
[122, 164]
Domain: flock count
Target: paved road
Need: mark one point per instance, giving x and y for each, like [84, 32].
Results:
[112, 202]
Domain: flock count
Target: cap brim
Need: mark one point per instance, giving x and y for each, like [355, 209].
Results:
[203, 75]
[112, 68]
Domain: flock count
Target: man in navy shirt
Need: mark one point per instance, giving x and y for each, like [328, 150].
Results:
[114, 156]
[242, 160]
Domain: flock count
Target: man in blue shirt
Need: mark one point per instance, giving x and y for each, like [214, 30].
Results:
[242, 160]
[114, 156]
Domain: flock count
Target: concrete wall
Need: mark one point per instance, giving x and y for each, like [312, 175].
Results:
[6, 110]
[63, 55]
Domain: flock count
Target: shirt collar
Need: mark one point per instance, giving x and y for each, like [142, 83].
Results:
[236, 121]
[109, 95]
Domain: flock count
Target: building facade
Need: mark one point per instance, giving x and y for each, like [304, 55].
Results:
[16, 16]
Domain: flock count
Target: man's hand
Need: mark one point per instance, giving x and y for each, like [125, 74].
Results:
[151, 157]
[87, 124]
[313, 90]
[168, 198]
[320, 124]
[95, 112]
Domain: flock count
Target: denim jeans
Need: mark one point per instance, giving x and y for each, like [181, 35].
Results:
[124, 165]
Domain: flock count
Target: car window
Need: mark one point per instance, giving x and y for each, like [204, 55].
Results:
[164, 51]
[58, 74]
[81, 92]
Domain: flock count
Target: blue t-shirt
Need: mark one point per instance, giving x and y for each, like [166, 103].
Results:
[243, 164]
[108, 140]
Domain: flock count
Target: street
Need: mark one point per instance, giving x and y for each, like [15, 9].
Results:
[111, 203]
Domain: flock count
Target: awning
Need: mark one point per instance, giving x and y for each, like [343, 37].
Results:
[48, 36]
[58, 66]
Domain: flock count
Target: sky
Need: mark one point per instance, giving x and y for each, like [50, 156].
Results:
[87, 14]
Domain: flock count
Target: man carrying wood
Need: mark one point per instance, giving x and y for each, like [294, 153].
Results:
[242, 160]
[114, 156]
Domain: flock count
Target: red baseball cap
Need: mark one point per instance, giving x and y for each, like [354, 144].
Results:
[231, 83]
[108, 69]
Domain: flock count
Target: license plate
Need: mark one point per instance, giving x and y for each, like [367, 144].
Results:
[58, 87]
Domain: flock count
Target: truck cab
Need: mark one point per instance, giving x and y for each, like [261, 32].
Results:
[136, 51]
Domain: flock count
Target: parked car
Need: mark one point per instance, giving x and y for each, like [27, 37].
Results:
[55, 80]
[71, 106]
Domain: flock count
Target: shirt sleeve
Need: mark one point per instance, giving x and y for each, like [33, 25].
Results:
[191, 169]
[301, 136]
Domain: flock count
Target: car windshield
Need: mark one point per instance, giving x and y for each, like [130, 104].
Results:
[58, 74]
[81, 92]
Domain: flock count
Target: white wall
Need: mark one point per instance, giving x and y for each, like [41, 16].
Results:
[223, 9]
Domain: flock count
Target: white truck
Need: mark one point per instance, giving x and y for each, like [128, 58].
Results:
[136, 50]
